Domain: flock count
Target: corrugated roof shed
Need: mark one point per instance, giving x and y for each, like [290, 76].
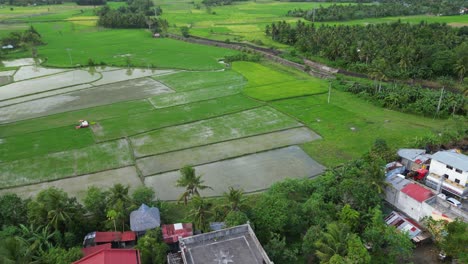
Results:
[454, 159]
[398, 181]
[112, 256]
[417, 192]
[411, 154]
[171, 233]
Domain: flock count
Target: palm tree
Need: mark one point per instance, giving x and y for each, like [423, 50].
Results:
[234, 198]
[15, 250]
[333, 242]
[58, 216]
[200, 213]
[191, 182]
[119, 192]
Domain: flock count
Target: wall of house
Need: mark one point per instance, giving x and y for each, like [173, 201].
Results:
[409, 206]
[391, 195]
[440, 168]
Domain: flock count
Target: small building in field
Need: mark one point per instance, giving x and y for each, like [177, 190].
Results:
[414, 159]
[449, 172]
[111, 256]
[231, 245]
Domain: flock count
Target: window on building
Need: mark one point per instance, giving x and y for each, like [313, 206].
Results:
[449, 167]
[458, 170]
[446, 176]
[457, 180]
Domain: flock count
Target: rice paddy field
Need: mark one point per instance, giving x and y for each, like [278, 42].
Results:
[247, 125]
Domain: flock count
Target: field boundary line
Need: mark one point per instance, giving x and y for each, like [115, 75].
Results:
[203, 100]
[66, 177]
[179, 124]
[226, 140]
[132, 153]
[235, 156]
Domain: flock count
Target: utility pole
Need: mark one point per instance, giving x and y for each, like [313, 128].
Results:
[329, 91]
[440, 101]
[313, 15]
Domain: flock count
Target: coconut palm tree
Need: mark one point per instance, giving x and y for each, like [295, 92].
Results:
[333, 242]
[191, 182]
[15, 250]
[200, 213]
[234, 198]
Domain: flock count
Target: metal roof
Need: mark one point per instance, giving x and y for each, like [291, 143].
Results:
[112, 256]
[417, 192]
[452, 158]
[398, 181]
[410, 154]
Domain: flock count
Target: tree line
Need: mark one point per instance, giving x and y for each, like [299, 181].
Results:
[402, 97]
[335, 218]
[137, 14]
[385, 9]
[395, 50]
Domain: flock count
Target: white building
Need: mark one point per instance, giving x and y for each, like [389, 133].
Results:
[449, 171]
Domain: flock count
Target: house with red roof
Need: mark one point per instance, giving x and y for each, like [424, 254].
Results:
[411, 200]
[111, 256]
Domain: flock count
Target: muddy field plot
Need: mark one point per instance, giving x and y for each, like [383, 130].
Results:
[120, 75]
[47, 83]
[180, 98]
[252, 173]
[247, 123]
[54, 166]
[224, 150]
[142, 122]
[29, 72]
[99, 95]
[77, 186]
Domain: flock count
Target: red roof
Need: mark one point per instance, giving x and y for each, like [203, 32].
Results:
[105, 237]
[112, 256]
[417, 192]
[102, 237]
[171, 233]
[128, 236]
[90, 250]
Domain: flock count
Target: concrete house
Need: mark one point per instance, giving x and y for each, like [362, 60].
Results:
[414, 159]
[449, 172]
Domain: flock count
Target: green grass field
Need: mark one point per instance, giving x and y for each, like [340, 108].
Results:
[70, 119]
[187, 81]
[349, 125]
[281, 82]
[171, 116]
[90, 159]
[238, 125]
[44, 142]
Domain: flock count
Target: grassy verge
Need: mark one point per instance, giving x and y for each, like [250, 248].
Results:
[133, 124]
[64, 164]
[350, 125]
[243, 124]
